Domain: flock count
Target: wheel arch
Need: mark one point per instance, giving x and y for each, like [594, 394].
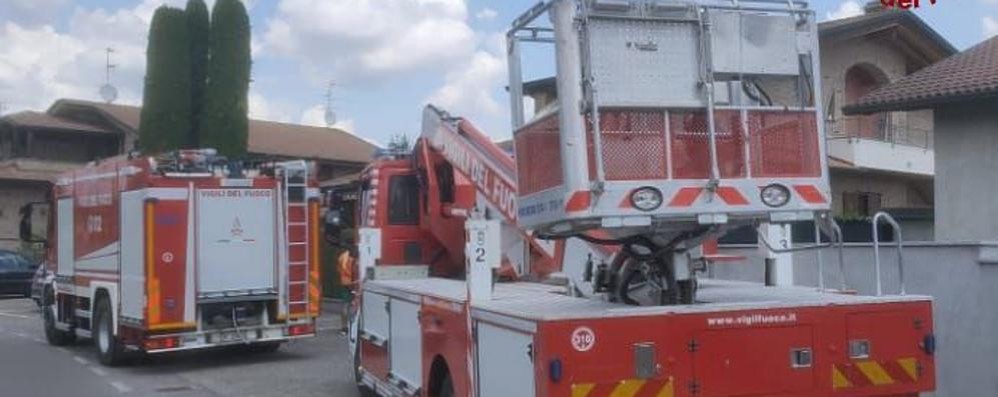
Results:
[109, 290]
[438, 370]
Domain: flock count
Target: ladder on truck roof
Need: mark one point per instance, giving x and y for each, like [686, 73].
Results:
[294, 177]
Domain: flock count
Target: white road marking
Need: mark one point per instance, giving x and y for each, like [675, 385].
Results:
[2, 314]
[21, 335]
[39, 340]
[121, 387]
[99, 371]
[81, 360]
[64, 350]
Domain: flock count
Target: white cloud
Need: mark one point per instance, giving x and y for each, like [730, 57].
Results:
[990, 25]
[69, 62]
[847, 9]
[468, 89]
[51, 64]
[369, 40]
[486, 14]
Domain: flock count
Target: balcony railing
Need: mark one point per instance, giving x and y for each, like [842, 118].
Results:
[894, 128]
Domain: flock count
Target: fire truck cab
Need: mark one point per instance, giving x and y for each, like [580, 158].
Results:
[179, 251]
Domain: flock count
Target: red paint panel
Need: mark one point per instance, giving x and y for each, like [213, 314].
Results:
[170, 253]
[579, 201]
[731, 196]
[445, 335]
[95, 210]
[744, 352]
[810, 194]
[374, 359]
[685, 197]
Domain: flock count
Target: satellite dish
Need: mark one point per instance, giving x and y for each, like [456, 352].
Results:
[330, 117]
[108, 93]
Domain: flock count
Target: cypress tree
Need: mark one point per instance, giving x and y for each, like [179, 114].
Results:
[166, 103]
[198, 30]
[225, 125]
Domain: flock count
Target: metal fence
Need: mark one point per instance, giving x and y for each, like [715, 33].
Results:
[892, 127]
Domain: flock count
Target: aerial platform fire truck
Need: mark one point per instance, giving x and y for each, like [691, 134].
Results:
[179, 251]
[574, 267]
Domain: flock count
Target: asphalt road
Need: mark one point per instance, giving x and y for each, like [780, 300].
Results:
[29, 367]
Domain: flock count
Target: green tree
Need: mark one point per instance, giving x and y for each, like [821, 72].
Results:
[400, 143]
[198, 29]
[166, 104]
[225, 125]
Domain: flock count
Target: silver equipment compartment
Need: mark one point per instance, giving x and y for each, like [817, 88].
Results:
[754, 44]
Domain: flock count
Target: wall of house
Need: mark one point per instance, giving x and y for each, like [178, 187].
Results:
[964, 326]
[13, 195]
[966, 181]
[836, 60]
[896, 191]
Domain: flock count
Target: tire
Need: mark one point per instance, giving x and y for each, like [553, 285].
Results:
[265, 347]
[109, 350]
[446, 387]
[53, 335]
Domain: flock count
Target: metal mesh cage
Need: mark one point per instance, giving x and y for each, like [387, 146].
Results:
[538, 156]
[691, 144]
[633, 145]
[784, 144]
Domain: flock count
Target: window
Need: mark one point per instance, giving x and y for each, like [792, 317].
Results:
[403, 200]
[861, 203]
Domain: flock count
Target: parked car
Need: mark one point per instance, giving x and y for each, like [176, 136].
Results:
[41, 277]
[16, 274]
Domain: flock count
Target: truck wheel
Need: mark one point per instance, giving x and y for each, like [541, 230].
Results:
[109, 349]
[265, 347]
[53, 335]
[446, 387]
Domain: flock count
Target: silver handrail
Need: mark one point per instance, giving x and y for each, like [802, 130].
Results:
[876, 249]
[835, 233]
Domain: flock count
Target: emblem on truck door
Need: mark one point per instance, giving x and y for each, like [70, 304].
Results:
[237, 228]
[583, 339]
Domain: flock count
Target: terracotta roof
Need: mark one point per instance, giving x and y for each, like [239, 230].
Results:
[265, 137]
[972, 74]
[44, 120]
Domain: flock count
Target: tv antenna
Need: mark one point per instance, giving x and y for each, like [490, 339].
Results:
[107, 91]
[330, 115]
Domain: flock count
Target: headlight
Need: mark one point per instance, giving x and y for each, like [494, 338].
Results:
[775, 195]
[646, 198]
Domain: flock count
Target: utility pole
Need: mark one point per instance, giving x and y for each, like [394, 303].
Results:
[330, 114]
[107, 91]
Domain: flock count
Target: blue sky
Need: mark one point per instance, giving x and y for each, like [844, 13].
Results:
[387, 57]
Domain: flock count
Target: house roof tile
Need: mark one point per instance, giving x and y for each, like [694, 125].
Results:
[969, 75]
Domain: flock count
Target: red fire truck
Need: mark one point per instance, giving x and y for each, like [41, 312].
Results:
[575, 268]
[179, 251]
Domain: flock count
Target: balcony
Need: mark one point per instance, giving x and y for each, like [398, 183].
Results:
[894, 142]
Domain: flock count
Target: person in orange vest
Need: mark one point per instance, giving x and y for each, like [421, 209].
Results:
[346, 265]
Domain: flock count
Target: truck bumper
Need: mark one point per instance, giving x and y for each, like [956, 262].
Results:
[276, 333]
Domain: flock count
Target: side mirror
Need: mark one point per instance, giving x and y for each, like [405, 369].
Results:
[34, 222]
[333, 226]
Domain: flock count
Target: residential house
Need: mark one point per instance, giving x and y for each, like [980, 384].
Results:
[36, 146]
[879, 161]
[962, 91]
